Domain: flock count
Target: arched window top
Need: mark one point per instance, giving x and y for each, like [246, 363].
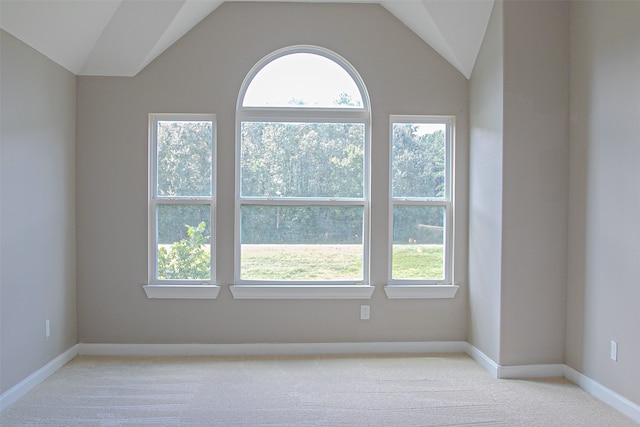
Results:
[304, 77]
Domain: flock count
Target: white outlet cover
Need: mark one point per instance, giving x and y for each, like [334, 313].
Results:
[365, 312]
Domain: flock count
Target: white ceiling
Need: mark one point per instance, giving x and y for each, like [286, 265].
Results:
[120, 37]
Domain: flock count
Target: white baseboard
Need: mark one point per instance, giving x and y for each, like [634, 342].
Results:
[515, 371]
[483, 360]
[263, 349]
[23, 387]
[531, 371]
[600, 392]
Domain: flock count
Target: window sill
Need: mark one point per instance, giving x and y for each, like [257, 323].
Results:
[420, 291]
[301, 291]
[182, 291]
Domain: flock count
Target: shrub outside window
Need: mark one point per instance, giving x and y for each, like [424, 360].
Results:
[302, 165]
[420, 208]
[182, 199]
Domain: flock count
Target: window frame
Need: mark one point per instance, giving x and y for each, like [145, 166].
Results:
[179, 288]
[356, 115]
[440, 288]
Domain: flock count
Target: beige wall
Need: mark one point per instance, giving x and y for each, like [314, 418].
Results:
[37, 219]
[604, 238]
[535, 182]
[519, 185]
[485, 189]
[202, 73]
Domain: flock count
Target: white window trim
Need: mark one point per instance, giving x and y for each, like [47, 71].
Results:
[178, 289]
[204, 291]
[421, 291]
[425, 289]
[255, 289]
[275, 291]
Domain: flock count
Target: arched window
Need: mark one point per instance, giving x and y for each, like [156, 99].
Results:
[302, 171]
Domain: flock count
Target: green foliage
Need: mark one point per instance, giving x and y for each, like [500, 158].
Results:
[185, 155]
[418, 170]
[185, 168]
[302, 224]
[280, 160]
[173, 217]
[188, 258]
[302, 159]
[418, 162]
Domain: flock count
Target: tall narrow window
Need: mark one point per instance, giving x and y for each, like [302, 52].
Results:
[182, 199]
[420, 207]
[302, 187]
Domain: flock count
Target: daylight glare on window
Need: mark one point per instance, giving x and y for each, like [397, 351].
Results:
[303, 80]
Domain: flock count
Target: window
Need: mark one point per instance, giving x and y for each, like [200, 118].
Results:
[182, 199]
[420, 208]
[302, 171]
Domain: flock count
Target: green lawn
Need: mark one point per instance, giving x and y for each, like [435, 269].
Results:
[335, 262]
[418, 262]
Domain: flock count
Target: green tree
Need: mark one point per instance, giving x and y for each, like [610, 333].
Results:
[184, 158]
[185, 168]
[418, 171]
[188, 258]
[418, 162]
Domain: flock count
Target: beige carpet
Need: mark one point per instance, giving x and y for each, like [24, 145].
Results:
[426, 390]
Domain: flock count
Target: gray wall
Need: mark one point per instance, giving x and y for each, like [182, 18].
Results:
[485, 189]
[535, 182]
[202, 73]
[519, 184]
[604, 238]
[37, 219]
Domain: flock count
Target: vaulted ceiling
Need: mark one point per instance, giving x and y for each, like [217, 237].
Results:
[120, 37]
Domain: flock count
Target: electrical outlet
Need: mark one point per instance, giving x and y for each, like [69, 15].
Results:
[614, 351]
[47, 329]
[365, 312]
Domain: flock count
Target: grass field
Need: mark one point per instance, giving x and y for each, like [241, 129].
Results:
[335, 262]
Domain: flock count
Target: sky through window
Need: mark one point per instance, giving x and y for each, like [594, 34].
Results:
[302, 80]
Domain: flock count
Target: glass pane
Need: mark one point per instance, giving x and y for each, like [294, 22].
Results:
[183, 242]
[418, 242]
[418, 160]
[185, 151]
[302, 159]
[302, 80]
[301, 243]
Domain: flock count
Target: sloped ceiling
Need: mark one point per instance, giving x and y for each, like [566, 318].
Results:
[120, 37]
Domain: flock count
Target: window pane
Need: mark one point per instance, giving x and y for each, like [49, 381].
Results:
[183, 242]
[302, 159]
[301, 243]
[184, 158]
[303, 80]
[418, 242]
[418, 160]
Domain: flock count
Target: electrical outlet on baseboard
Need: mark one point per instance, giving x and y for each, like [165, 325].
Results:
[614, 351]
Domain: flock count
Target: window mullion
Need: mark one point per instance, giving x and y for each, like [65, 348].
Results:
[300, 201]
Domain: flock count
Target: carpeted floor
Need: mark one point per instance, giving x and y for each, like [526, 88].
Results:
[425, 390]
